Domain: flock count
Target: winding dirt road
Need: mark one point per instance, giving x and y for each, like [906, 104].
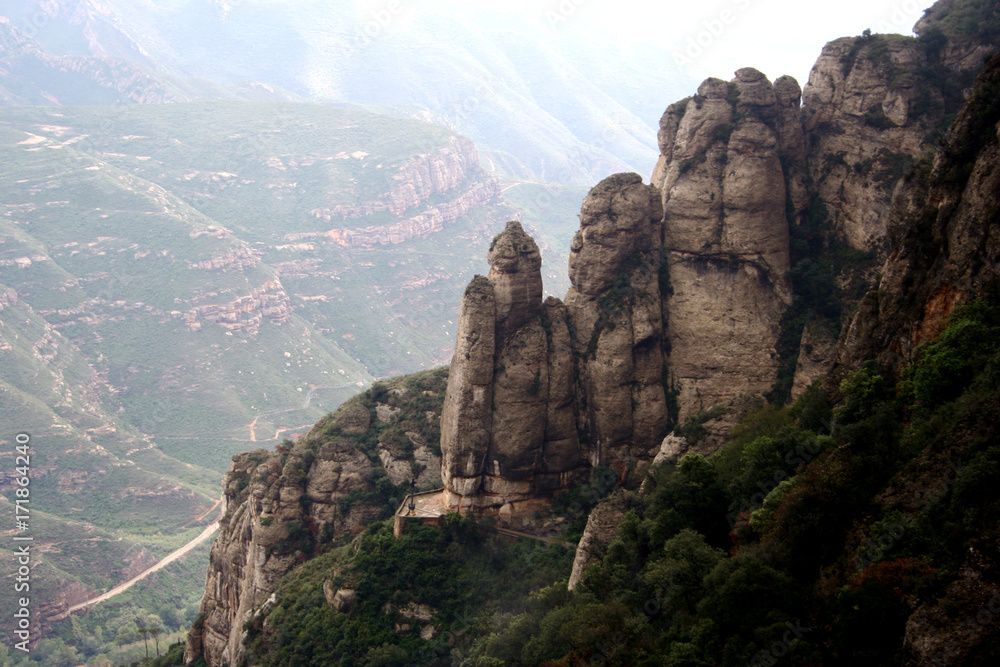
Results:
[121, 588]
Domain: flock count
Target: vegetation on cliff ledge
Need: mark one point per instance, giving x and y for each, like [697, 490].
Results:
[418, 599]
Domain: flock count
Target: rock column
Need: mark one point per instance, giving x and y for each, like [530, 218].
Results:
[508, 428]
[614, 308]
[725, 233]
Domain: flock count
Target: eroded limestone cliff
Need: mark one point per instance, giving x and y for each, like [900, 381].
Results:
[452, 173]
[614, 308]
[283, 506]
[540, 392]
[944, 240]
[273, 500]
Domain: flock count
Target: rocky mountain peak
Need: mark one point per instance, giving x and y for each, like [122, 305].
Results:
[618, 218]
[755, 96]
[875, 104]
[515, 273]
[527, 375]
[723, 183]
[680, 291]
[950, 256]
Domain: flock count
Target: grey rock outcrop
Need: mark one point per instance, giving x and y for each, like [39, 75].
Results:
[867, 113]
[467, 416]
[281, 506]
[725, 233]
[816, 353]
[529, 377]
[507, 424]
[679, 287]
[951, 256]
[873, 105]
[602, 529]
[266, 493]
[614, 307]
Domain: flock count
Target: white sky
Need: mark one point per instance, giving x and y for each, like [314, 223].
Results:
[717, 37]
[711, 37]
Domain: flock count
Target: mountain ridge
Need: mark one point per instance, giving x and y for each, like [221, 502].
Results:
[701, 140]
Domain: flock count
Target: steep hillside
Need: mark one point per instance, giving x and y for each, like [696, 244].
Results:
[352, 468]
[944, 235]
[30, 74]
[858, 532]
[758, 531]
[108, 504]
[266, 225]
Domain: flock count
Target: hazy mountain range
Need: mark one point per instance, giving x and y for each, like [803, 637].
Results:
[541, 104]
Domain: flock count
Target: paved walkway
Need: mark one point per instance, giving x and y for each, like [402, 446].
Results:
[426, 505]
[430, 505]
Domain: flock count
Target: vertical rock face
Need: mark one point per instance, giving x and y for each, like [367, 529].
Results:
[602, 529]
[507, 428]
[725, 233]
[516, 276]
[529, 377]
[561, 447]
[282, 506]
[950, 256]
[265, 493]
[466, 419]
[867, 113]
[615, 311]
[874, 103]
[816, 353]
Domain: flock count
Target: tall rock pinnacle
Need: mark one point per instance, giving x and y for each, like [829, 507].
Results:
[508, 428]
[615, 310]
[725, 232]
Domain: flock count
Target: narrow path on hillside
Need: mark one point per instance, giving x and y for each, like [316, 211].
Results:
[210, 510]
[121, 588]
[507, 186]
[308, 399]
[537, 538]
